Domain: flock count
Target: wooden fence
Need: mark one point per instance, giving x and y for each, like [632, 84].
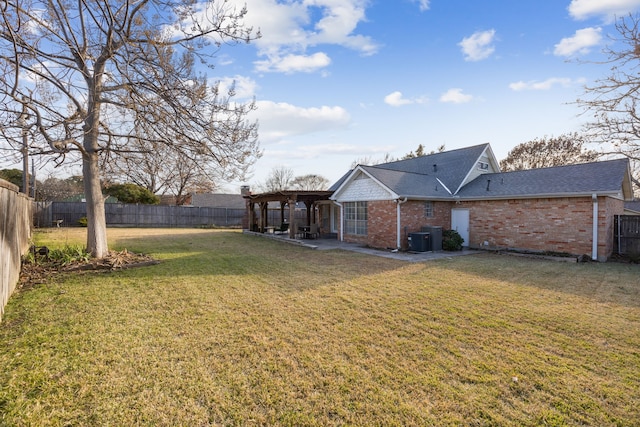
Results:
[627, 234]
[69, 214]
[15, 234]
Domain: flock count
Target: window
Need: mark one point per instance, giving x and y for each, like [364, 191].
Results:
[483, 166]
[355, 218]
[428, 209]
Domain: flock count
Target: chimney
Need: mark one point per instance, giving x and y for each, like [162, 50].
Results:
[245, 190]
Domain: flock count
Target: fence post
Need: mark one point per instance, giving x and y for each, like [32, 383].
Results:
[617, 218]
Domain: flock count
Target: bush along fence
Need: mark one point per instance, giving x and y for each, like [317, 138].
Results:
[15, 235]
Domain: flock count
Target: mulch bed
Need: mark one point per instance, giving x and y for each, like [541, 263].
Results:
[42, 269]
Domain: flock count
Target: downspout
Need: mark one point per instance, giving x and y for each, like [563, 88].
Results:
[339, 205]
[398, 225]
[594, 239]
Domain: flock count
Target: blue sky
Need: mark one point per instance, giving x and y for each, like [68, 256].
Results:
[337, 81]
[342, 80]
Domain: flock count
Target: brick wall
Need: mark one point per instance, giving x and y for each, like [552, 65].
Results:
[552, 224]
[413, 217]
[559, 225]
[382, 225]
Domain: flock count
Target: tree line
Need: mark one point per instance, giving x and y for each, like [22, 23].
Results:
[119, 88]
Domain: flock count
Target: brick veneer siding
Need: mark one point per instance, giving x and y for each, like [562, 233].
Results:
[551, 224]
[558, 225]
[382, 224]
[381, 227]
[413, 217]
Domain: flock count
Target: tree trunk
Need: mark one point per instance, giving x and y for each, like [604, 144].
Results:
[96, 218]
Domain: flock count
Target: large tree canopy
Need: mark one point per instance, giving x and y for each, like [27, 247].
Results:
[614, 100]
[101, 80]
[547, 152]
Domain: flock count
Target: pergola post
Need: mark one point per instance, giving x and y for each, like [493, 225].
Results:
[309, 205]
[252, 215]
[264, 211]
[292, 218]
[282, 203]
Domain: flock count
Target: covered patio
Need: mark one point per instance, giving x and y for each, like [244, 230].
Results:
[287, 223]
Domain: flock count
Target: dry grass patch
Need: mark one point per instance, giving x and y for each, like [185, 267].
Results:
[234, 330]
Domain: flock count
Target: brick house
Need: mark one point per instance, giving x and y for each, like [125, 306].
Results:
[567, 209]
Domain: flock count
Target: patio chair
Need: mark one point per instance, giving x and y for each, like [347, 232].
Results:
[284, 228]
[313, 232]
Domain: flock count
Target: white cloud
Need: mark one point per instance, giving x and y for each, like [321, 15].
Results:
[581, 42]
[478, 46]
[424, 4]
[397, 99]
[608, 9]
[455, 96]
[289, 28]
[294, 63]
[545, 84]
[245, 87]
[279, 120]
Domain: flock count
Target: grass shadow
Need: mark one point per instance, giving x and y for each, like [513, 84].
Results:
[605, 283]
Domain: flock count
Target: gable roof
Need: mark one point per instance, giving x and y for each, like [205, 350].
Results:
[408, 184]
[437, 175]
[450, 167]
[453, 174]
[606, 177]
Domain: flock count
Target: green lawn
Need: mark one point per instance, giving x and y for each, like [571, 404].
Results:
[231, 329]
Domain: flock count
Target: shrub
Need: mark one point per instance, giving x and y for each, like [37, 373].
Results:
[451, 240]
[132, 193]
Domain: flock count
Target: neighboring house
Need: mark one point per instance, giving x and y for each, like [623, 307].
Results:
[218, 200]
[81, 198]
[632, 207]
[568, 209]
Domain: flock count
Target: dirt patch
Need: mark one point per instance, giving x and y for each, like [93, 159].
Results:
[42, 269]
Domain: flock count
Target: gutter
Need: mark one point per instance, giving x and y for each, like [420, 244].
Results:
[594, 239]
[398, 225]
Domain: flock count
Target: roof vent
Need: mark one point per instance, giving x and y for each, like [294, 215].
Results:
[435, 167]
[488, 184]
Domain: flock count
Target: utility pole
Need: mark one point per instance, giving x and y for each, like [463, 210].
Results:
[25, 149]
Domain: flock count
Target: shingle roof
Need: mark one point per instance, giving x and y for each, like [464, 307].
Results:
[451, 167]
[218, 200]
[633, 205]
[598, 177]
[408, 184]
[418, 178]
[339, 182]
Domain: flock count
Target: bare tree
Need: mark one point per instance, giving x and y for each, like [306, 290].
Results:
[310, 182]
[162, 169]
[82, 77]
[370, 161]
[614, 100]
[547, 152]
[280, 178]
[52, 188]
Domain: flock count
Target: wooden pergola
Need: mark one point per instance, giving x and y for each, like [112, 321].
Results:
[284, 197]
